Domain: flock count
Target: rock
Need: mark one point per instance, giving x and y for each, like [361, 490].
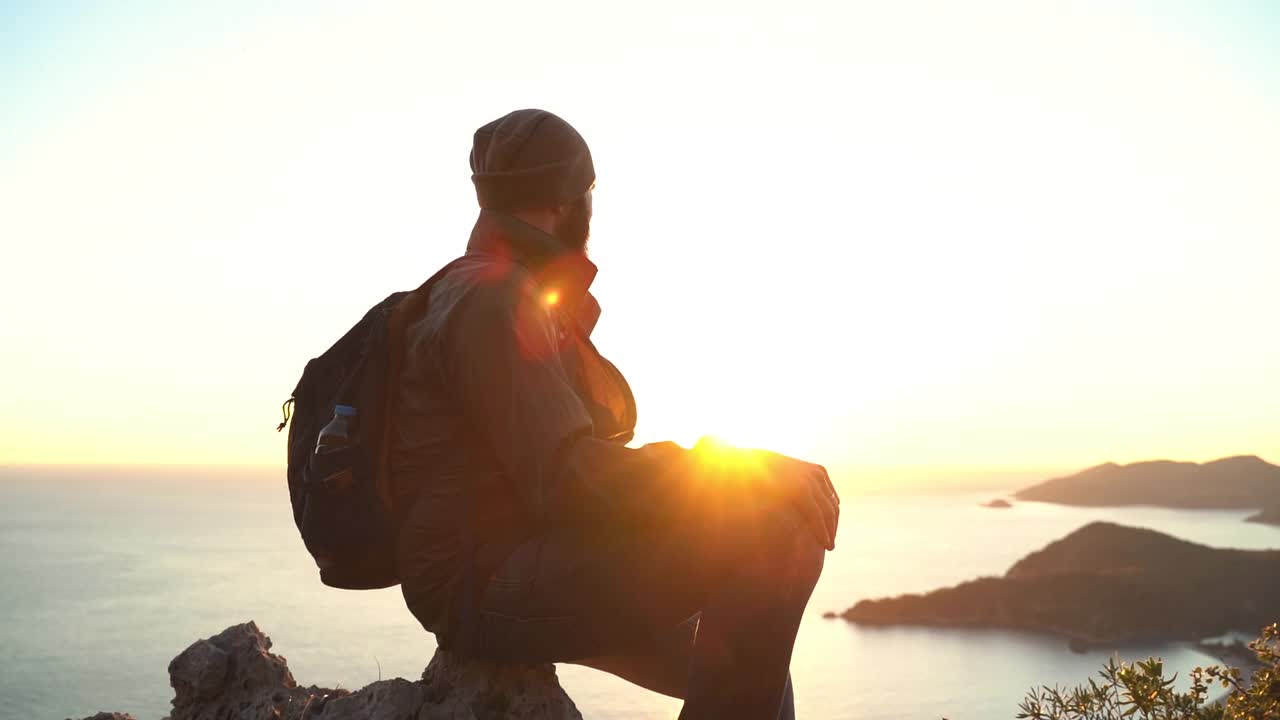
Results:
[394, 699]
[998, 503]
[199, 672]
[463, 689]
[235, 676]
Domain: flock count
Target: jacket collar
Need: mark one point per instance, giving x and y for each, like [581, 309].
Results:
[562, 274]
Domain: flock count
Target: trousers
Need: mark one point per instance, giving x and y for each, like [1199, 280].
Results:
[703, 606]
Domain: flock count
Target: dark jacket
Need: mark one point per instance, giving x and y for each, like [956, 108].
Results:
[497, 380]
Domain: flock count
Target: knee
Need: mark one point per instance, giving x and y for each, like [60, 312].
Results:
[807, 558]
[795, 551]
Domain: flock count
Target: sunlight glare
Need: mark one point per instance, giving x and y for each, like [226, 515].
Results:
[727, 463]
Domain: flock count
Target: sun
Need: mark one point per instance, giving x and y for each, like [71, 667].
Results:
[726, 461]
[713, 424]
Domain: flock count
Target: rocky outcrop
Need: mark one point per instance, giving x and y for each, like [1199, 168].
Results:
[235, 676]
[464, 689]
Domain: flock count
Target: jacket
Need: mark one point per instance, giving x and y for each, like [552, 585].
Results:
[496, 383]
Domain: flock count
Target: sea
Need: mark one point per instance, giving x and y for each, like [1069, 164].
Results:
[107, 573]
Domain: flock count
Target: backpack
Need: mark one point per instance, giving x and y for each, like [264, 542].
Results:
[350, 527]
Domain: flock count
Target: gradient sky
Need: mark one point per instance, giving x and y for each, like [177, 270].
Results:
[965, 235]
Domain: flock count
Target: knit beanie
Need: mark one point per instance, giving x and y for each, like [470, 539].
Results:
[529, 159]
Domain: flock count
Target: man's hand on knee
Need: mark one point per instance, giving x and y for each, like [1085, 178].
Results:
[804, 486]
[807, 488]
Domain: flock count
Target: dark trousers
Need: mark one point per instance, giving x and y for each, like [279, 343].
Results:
[703, 608]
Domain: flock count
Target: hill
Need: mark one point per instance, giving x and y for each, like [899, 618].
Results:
[1242, 482]
[1105, 583]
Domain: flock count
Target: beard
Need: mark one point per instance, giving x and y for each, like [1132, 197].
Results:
[574, 231]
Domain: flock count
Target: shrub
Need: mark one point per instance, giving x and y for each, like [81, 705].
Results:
[1140, 691]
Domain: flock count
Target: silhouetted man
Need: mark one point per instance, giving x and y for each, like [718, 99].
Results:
[529, 531]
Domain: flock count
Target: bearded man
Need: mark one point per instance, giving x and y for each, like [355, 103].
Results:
[529, 531]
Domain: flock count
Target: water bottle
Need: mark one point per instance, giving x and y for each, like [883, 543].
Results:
[331, 465]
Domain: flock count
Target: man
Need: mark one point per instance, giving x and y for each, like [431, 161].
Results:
[529, 532]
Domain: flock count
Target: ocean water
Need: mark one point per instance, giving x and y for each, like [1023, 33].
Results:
[106, 574]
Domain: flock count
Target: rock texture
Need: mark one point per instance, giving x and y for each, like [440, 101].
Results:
[235, 676]
[465, 689]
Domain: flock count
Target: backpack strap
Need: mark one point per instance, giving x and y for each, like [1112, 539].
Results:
[408, 309]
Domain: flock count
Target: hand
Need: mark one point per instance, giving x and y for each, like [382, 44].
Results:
[806, 487]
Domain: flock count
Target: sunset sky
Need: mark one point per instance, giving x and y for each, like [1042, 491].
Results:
[943, 235]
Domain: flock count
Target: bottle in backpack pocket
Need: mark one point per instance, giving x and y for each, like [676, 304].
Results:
[331, 463]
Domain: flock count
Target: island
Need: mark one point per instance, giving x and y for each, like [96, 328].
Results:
[1105, 584]
[1234, 653]
[1267, 516]
[1244, 482]
[998, 504]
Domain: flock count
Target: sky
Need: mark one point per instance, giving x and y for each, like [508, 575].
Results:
[975, 236]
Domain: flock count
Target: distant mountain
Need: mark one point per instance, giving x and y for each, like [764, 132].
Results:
[1242, 482]
[1105, 583]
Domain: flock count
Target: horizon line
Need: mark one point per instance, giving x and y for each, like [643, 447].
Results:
[997, 466]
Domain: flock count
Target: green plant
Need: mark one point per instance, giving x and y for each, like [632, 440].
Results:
[1142, 692]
